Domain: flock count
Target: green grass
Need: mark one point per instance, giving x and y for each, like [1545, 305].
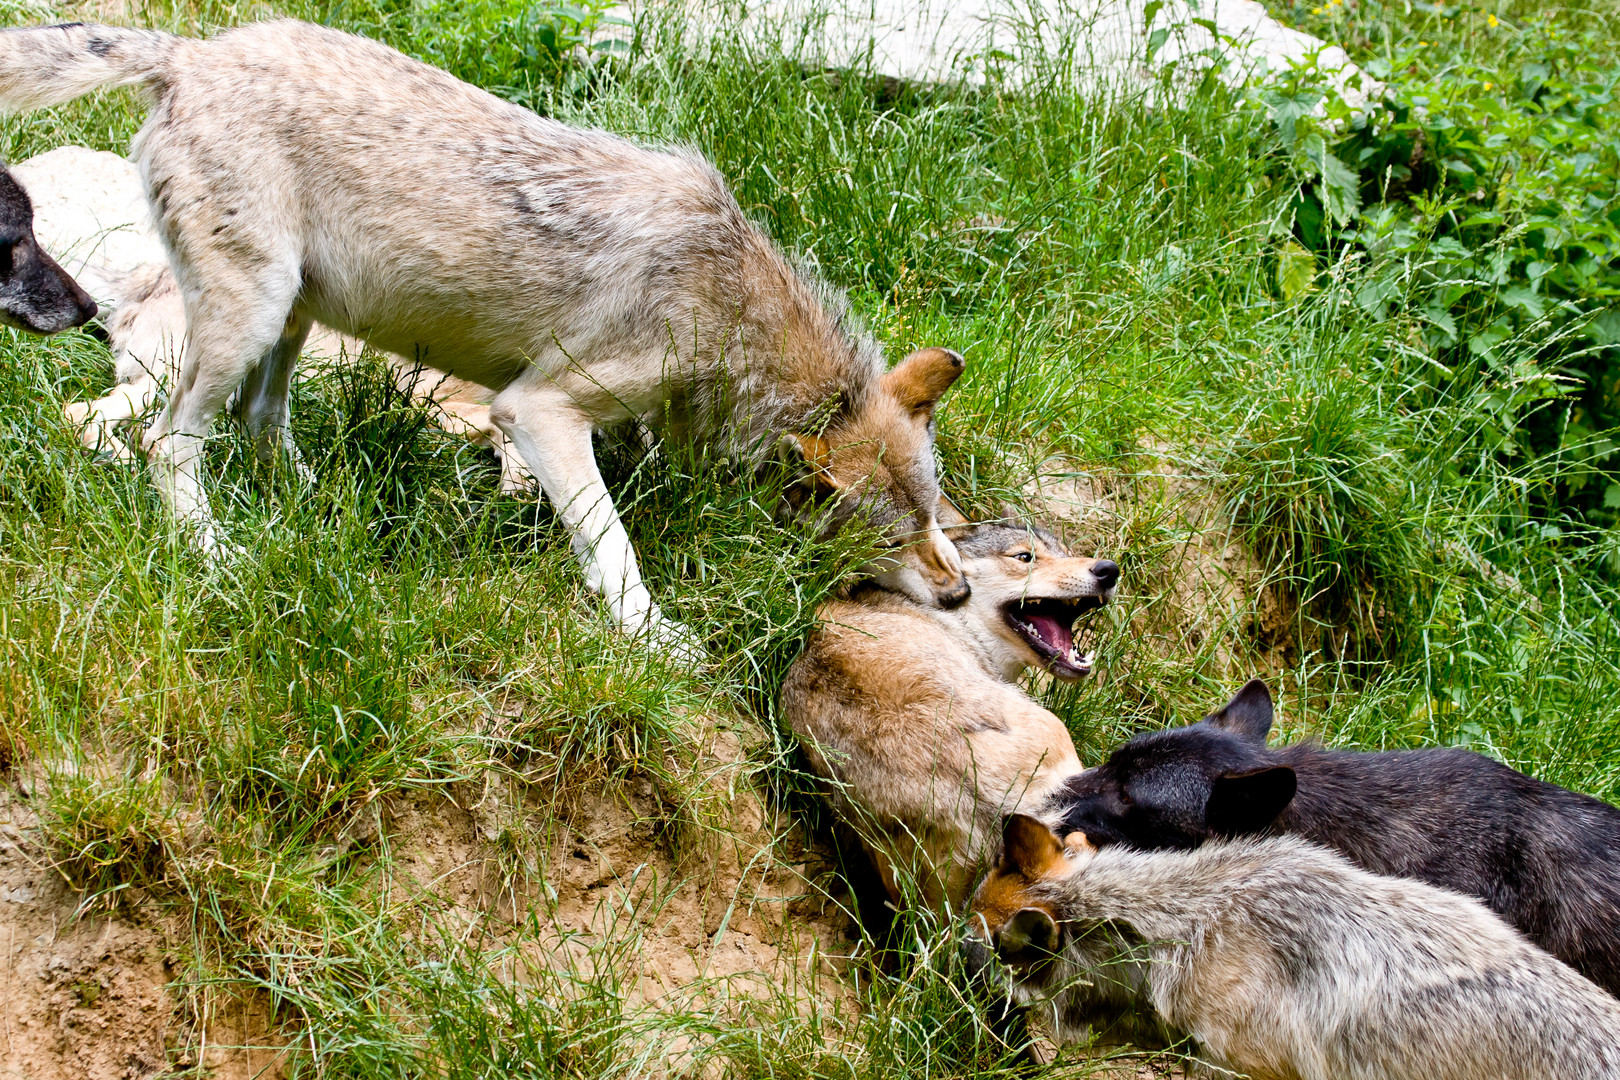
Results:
[217, 736]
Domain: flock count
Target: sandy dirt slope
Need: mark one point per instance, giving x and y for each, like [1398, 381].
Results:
[743, 907]
[86, 997]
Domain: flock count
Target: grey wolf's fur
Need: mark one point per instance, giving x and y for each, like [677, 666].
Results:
[914, 715]
[1282, 960]
[1546, 859]
[298, 174]
[35, 294]
[90, 208]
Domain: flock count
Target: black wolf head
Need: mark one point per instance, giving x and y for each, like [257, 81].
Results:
[1180, 787]
[35, 294]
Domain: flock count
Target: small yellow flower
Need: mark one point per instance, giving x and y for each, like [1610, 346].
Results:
[1489, 85]
[1490, 20]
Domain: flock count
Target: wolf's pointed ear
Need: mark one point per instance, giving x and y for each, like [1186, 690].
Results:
[1248, 715]
[796, 449]
[921, 379]
[809, 456]
[1031, 934]
[808, 481]
[1029, 846]
[1241, 803]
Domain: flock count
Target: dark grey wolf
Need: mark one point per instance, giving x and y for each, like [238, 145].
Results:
[1544, 858]
[1282, 961]
[35, 294]
[298, 174]
[913, 712]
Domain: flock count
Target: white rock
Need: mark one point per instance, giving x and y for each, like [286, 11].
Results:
[1101, 42]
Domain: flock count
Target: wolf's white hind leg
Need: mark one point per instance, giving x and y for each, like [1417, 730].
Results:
[553, 436]
[262, 404]
[233, 320]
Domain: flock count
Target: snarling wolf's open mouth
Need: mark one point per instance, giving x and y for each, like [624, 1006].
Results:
[1048, 626]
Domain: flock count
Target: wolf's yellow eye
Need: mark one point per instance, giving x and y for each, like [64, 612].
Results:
[1024, 556]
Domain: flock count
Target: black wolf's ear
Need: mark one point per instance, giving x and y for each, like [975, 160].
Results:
[921, 379]
[1031, 934]
[1247, 802]
[1029, 847]
[1248, 715]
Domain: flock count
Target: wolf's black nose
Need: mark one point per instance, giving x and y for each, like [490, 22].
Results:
[1106, 571]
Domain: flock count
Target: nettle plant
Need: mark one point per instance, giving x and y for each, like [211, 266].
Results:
[1482, 202]
[522, 52]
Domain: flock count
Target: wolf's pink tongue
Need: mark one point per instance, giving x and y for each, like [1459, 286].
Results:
[1052, 632]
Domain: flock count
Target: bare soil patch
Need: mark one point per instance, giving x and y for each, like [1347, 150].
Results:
[744, 907]
[83, 998]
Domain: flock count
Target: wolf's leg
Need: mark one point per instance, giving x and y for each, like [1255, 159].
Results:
[553, 434]
[262, 404]
[473, 420]
[96, 419]
[516, 478]
[234, 319]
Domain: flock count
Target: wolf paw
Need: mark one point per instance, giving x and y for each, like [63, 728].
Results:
[206, 536]
[674, 641]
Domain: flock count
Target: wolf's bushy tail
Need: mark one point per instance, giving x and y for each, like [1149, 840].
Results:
[48, 65]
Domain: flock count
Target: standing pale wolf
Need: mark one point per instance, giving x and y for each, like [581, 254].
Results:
[1285, 962]
[298, 174]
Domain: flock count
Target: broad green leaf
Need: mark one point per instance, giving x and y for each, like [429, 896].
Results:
[1296, 271]
[1338, 189]
[1441, 319]
[1524, 300]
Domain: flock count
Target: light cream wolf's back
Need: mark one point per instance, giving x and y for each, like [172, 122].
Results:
[299, 174]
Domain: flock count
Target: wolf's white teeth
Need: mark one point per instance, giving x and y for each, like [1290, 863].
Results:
[1082, 660]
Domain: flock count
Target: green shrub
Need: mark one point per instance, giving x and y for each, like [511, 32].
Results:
[1481, 195]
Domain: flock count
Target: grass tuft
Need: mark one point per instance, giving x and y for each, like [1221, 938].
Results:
[1298, 481]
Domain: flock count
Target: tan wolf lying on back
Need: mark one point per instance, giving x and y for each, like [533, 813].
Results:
[298, 174]
[915, 715]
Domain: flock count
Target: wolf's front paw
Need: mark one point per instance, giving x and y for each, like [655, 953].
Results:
[673, 640]
[205, 536]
